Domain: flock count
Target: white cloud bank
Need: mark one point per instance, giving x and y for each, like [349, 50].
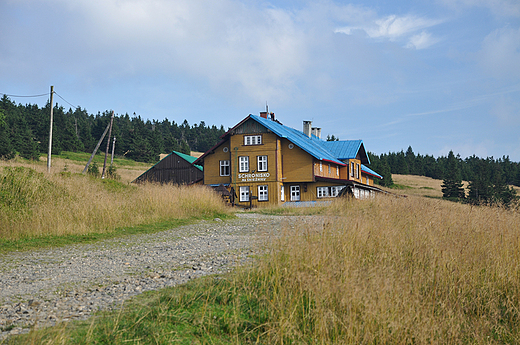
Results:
[398, 28]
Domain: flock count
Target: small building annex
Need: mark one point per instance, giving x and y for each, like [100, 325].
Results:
[266, 163]
[177, 168]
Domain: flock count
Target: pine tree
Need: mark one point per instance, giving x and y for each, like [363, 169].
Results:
[452, 185]
[6, 149]
[387, 175]
[480, 189]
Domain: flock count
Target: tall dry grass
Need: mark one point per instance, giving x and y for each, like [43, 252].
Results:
[395, 271]
[38, 204]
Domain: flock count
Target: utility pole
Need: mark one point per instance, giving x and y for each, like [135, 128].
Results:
[50, 133]
[108, 145]
[113, 148]
[95, 150]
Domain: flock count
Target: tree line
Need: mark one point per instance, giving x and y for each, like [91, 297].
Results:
[488, 178]
[24, 130]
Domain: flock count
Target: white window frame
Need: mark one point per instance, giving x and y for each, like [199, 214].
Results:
[261, 163]
[243, 164]
[321, 167]
[352, 166]
[322, 192]
[357, 170]
[295, 193]
[225, 167]
[282, 193]
[262, 193]
[337, 170]
[334, 190]
[329, 170]
[243, 193]
[252, 140]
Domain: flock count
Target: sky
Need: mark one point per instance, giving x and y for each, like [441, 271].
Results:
[436, 75]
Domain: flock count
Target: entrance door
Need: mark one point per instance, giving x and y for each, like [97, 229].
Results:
[295, 193]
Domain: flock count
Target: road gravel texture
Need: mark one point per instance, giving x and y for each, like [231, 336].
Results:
[39, 288]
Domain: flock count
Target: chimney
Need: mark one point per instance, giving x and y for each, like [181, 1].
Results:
[263, 114]
[316, 131]
[307, 128]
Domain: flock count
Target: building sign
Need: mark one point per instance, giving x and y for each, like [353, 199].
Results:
[257, 177]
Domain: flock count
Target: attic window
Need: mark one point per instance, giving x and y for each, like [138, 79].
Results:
[252, 140]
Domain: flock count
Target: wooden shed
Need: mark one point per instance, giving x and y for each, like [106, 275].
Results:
[175, 168]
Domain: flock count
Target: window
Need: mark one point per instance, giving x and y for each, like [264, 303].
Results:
[321, 167]
[243, 164]
[352, 169]
[261, 163]
[334, 190]
[282, 193]
[224, 168]
[337, 171]
[244, 193]
[252, 140]
[329, 169]
[323, 192]
[262, 193]
[295, 193]
[357, 171]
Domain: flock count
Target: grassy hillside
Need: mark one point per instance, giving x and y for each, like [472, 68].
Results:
[35, 204]
[422, 186]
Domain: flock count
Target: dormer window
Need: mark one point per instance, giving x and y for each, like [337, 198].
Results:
[252, 140]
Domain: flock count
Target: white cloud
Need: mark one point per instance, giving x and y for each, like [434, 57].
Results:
[398, 28]
[500, 53]
[422, 41]
[235, 48]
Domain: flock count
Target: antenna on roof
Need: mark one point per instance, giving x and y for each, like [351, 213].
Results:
[266, 107]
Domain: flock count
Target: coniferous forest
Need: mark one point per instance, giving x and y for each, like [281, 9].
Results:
[488, 178]
[24, 130]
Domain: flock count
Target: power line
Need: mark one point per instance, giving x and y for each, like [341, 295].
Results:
[76, 107]
[44, 94]
[5, 94]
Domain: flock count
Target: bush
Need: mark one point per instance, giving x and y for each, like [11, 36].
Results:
[93, 170]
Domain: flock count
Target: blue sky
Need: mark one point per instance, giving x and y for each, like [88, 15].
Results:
[437, 75]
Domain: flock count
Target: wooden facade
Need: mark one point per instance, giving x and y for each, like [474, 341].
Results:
[265, 163]
[177, 168]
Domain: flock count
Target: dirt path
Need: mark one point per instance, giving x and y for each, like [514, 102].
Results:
[50, 285]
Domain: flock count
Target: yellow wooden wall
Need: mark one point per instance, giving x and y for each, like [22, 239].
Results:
[357, 163]
[325, 169]
[212, 165]
[297, 165]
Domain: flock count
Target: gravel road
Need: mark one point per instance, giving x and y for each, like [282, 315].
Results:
[42, 287]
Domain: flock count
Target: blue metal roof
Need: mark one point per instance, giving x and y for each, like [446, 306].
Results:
[312, 146]
[344, 149]
[367, 170]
